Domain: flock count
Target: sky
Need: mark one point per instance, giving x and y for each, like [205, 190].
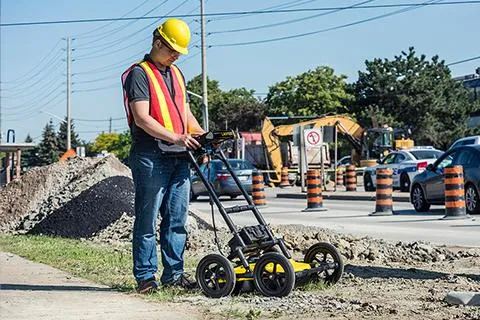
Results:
[33, 58]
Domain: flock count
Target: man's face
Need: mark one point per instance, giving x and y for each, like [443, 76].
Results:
[166, 54]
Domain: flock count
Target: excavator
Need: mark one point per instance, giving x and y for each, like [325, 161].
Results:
[368, 144]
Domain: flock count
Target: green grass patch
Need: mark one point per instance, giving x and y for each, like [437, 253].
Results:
[103, 264]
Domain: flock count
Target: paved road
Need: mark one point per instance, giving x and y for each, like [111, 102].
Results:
[351, 217]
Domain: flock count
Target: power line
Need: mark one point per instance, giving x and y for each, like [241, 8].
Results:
[116, 30]
[330, 28]
[233, 13]
[100, 120]
[121, 40]
[287, 21]
[82, 35]
[463, 61]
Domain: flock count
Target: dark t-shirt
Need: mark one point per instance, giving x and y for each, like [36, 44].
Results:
[138, 89]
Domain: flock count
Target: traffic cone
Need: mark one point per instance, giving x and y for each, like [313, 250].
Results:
[351, 177]
[454, 194]
[383, 198]
[314, 192]
[258, 193]
[340, 173]
[284, 183]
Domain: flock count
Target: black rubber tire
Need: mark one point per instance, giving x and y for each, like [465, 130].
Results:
[419, 201]
[323, 252]
[274, 283]
[404, 183]
[210, 270]
[193, 196]
[368, 183]
[472, 199]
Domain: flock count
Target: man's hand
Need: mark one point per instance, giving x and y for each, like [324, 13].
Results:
[187, 140]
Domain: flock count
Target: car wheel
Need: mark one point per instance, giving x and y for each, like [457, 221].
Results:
[368, 183]
[418, 199]
[472, 200]
[404, 183]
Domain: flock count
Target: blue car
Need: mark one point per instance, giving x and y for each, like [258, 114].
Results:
[221, 180]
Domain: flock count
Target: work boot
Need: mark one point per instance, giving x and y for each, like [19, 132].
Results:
[147, 286]
[184, 282]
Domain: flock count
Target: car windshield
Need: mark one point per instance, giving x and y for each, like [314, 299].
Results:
[236, 165]
[426, 154]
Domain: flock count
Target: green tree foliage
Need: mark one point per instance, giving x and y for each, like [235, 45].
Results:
[122, 148]
[62, 136]
[29, 156]
[195, 86]
[237, 109]
[411, 92]
[118, 144]
[314, 92]
[105, 142]
[48, 148]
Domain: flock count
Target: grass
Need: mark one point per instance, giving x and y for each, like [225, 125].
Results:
[110, 266]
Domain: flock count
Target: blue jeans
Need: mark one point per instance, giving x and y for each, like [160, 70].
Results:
[161, 183]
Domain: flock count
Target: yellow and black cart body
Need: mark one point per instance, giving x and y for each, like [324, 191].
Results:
[257, 259]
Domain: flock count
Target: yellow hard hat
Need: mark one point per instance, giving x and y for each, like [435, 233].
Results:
[177, 34]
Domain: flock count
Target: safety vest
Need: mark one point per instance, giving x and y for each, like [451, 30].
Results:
[170, 113]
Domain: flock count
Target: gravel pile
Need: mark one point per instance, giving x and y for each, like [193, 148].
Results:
[61, 189]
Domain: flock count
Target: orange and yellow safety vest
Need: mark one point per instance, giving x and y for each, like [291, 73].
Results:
[170, 113]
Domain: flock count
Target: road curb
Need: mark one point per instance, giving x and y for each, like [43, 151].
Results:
[340, 197]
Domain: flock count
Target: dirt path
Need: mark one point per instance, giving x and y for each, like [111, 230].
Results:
[30, 290]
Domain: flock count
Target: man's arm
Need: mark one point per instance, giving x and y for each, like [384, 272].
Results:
[193, 126]
[142, 118]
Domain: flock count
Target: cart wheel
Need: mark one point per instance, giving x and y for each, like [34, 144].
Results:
[274, 275]
[322, 253]
[215, 276]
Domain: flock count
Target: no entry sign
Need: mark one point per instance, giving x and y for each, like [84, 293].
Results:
[313, 138]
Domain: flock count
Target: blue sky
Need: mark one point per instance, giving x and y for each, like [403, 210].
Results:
[33, 63]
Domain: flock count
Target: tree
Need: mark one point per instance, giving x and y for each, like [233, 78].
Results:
[48, 148]
[314, 92]
[29, 156]
[195, 86]
[238, 109]
[414, 93]
[122, 147]
[105, 142]
[62, 136]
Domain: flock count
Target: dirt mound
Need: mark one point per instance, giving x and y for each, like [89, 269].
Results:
[43, 191]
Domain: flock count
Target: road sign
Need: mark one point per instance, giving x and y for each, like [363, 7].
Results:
[313, 137]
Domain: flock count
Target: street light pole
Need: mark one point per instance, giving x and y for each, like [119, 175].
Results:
[69, 133]
[204, 69]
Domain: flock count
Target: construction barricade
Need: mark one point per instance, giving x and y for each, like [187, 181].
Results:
[351, 178]
[383, 199]
[454, 193]
[258, 192]
[314, 192]
[284, 183]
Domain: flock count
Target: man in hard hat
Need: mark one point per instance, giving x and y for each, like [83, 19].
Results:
[162, 127]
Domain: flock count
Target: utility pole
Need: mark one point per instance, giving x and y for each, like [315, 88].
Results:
[69, 133]
[110, 125]
[204, 69]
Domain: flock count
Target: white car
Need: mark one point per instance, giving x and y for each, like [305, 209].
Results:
[465, 141]
[405, 163]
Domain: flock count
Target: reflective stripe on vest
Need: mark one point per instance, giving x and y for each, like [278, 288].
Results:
[162, 107]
